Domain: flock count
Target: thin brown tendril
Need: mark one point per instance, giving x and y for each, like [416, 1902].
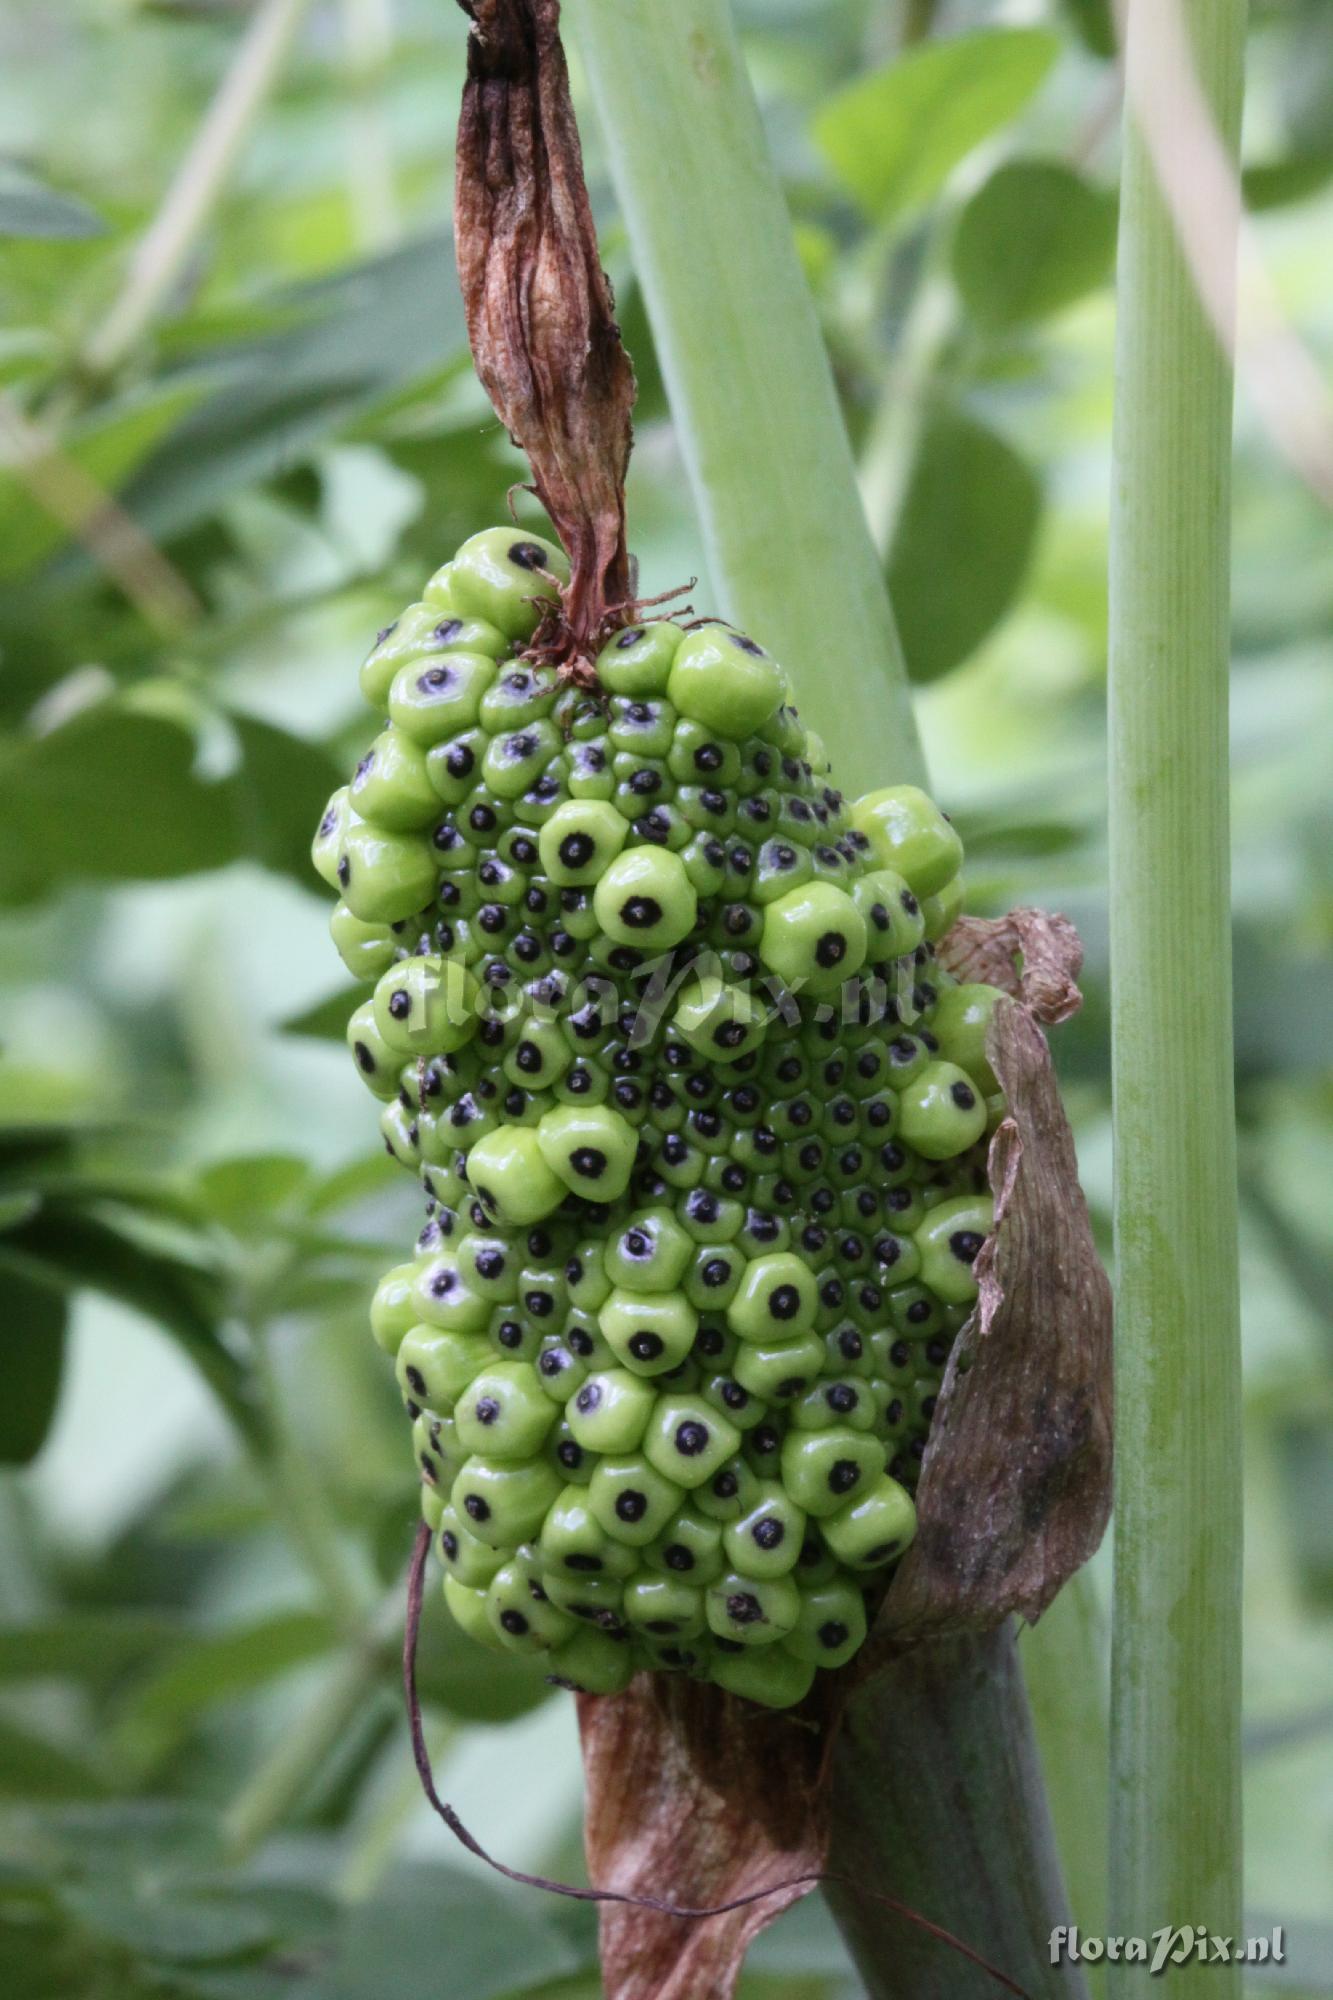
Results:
[416, 1577]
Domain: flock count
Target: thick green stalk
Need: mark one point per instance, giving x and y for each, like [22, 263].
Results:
[1175, 1781]
[750, 383]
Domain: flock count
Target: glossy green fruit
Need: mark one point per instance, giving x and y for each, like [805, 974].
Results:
[657, 1021]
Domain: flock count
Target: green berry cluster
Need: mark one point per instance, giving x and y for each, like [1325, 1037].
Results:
[656, 1018]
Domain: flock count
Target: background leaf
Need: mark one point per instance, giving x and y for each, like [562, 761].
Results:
[1033, 238]
[894, 137]
[963, 542]
[33, 1349]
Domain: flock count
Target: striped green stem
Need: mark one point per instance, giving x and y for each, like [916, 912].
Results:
[745, 365]
[1175, 1778]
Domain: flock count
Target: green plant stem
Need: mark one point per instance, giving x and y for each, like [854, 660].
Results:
[164, 248]
[269, 1795]
[299, 1501]
[937, 1797]
[1064, 1663]
[751, 388]
[1175, 1778]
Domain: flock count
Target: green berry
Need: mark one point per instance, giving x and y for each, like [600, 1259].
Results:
[444, 1299]
[814, 938]
[649, 1331]
[645, 899]
[384, 876]
[497, 576]
[366, 950]
[592, 1662]
[392, 786]
[631, 1501]
[824, 1470]
[393, 1309]
[610, 1411]
[651, 1254]
[874, 1528]
[511, 1179]
[377, 1064]
[960, 1021]
[721, 1021]
[522, 1618]
[638, 660]
[725, 681]
[942, 1112]
[766, 1540]
[949, 1240]
[778, 1370]
[688, 1441]
[469, 1611]
[466, 1559]
[831, 1625]
[777, 1299]
[689, 1547]
[771, 1675]
[434, 701]
[752, 1610]
[590, 1151]
[426, 1007]
[503, 1413]
[892, 912]
[908, 833]
[665, 1606]
[434, 1367]
[573, 1542]
[504, 1503]
[580, 840]
[940, 912]
[326, 847]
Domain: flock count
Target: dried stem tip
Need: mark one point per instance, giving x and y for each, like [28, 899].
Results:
[540, 314]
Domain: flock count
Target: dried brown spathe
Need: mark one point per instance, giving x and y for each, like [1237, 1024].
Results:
[540, 315]
[696, 1794]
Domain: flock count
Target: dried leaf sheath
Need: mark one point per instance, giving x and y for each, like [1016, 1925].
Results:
[539, 308]
[694, 1794]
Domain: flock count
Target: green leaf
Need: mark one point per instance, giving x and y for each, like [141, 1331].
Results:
[495, 1941]
[106, 451]
[894, 137]
[1033, 238]
[1094, 24]
[28, 207]
[80, 1250]
[963, 541]
[33, 1768]
[327, 1020]
[33, 1318]
[111, 794]
[1278, 183]
[83, 1645]
[236, 1190]
[171, 1924]
[364, 333]
[278, 794]
[219, 1666]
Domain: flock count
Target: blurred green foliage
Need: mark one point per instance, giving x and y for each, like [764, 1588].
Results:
[205, 1788]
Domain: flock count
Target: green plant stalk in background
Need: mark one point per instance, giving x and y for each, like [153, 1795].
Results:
[1175, 1780]
[746, 369]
